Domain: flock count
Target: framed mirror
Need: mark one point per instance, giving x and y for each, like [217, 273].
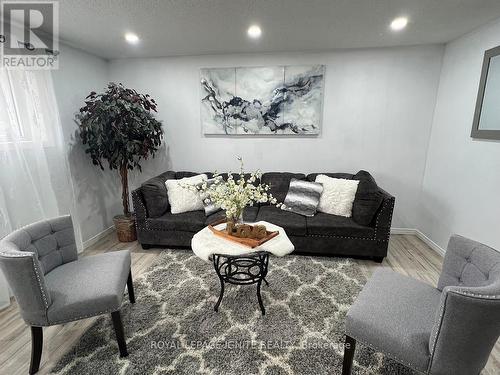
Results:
[486, 123]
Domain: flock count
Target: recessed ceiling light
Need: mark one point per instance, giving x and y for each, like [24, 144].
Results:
[254, 32]
[399, 23]
[131, 38]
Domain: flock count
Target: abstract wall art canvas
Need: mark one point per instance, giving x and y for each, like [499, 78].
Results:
[281, 100]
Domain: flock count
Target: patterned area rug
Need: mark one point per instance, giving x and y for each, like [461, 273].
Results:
[173, 329]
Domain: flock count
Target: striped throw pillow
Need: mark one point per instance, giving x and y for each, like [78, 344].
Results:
[303, 197]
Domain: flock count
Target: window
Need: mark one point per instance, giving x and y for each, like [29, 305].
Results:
[25, 117]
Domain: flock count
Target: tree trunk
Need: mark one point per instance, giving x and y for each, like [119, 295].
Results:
[125, 197]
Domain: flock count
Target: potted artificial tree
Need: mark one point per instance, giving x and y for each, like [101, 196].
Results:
[118, 126]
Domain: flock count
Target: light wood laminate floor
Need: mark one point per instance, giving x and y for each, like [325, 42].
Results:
[407, 255]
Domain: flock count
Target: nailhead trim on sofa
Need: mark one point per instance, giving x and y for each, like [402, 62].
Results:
[380, 237]
[374, 238]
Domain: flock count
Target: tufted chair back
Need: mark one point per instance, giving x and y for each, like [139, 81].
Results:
[31, 252]
[468, 319]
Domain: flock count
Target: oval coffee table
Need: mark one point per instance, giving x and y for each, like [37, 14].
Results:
[238, 264]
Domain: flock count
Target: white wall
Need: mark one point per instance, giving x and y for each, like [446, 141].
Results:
[97, 193]
[460, 192]
[378, 108]
[378, 111]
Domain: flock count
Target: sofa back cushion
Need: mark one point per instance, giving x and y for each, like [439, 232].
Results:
[368, 198]
[155, 194]
[312, 176]
[280, 182]
[246, 177]
[236, 176]
[184, 174]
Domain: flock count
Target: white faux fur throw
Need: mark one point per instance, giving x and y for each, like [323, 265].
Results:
[205, 243]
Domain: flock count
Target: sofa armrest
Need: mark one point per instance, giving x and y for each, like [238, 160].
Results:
[141, 213]
[383, 217]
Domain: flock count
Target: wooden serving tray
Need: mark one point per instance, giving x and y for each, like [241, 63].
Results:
[250, 242]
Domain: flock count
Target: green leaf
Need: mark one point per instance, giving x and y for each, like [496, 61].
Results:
[118, 126]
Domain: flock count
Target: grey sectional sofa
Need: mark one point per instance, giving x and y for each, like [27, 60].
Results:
[365, 234]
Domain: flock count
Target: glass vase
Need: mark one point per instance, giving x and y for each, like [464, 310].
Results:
[232, 221]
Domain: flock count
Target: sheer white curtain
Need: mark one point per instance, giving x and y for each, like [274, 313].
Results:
[34, 178]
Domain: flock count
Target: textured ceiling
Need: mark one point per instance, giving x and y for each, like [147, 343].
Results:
[191, 27]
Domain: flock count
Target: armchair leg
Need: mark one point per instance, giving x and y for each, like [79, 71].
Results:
[349, 348]
[120, 337]
[130, 288]
[36, 349]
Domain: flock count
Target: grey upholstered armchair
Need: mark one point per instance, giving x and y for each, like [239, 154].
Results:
[52, 286]
[450, 330]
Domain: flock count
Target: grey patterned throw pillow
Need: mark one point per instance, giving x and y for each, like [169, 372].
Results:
[303, 197]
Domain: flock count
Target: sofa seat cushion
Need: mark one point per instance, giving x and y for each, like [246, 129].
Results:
[191, 221]
[395, 314]
[326, 224]
[294, 224]
[217, 216]
[249, 215]
[89, 286]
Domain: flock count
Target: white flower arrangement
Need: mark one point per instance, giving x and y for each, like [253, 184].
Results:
[233, 195]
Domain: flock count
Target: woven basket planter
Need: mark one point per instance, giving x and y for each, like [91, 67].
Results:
[125, 228]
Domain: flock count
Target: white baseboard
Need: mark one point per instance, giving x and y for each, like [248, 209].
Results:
[91, 241]
[434, 246]
[403, 231]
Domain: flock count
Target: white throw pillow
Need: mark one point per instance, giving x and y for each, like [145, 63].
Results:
[337, 196]
[183, 199]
